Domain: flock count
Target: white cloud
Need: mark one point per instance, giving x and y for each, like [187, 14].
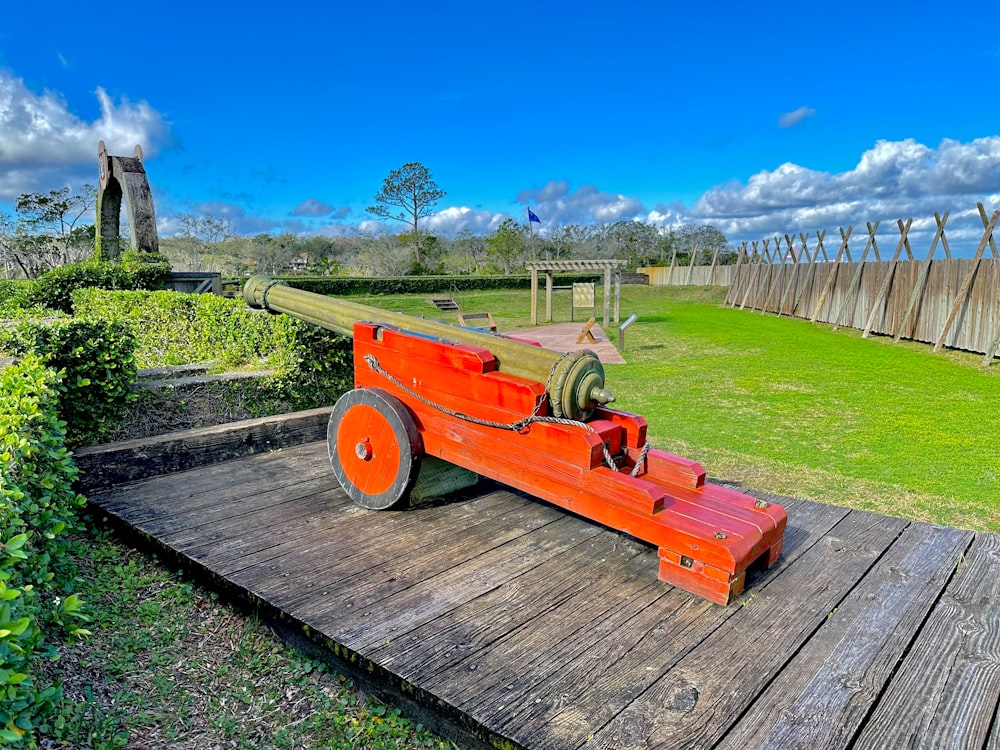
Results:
[790, 119]
[555, 203]
[452, 221]
[892, 180]
[43, 145]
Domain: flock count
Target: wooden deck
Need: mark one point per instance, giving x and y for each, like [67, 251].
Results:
[516, 622]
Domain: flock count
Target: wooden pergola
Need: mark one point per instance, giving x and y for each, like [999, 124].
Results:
[550, 267]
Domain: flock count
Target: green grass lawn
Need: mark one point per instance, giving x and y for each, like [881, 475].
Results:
[787, 406]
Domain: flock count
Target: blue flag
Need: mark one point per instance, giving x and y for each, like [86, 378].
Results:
[532, 217]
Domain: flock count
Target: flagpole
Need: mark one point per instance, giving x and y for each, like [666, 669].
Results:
[531, 236]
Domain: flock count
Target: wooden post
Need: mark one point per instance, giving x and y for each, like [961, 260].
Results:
[848, 297]
[734, 287]
[776, 279]
[548, 296]
[534, 296]
[982, 216]
[963, 291]
[883, 290]
[753, 276]
[694, 254]
[918, 288]
[618, 292]
[711, 271]
[793, 275]
[991, 350]
[844, 238]
[811, 271]
[607, 297]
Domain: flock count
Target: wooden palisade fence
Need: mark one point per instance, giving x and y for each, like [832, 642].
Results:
[675, 274]
[953, 302]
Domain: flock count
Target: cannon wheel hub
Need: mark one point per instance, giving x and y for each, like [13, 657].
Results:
[375, 448]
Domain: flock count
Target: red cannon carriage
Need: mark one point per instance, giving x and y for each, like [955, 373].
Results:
[533, 419]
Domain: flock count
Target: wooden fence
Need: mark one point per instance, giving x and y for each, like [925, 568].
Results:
[953, 302]
[689, 275]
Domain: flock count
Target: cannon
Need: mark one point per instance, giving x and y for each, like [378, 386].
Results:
[532, 418]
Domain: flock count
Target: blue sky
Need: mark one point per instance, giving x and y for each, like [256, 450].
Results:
[759, 119]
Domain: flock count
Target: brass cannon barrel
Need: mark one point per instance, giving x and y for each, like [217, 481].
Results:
[575, 381]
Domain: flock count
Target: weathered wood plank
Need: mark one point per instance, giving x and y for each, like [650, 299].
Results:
[104, 466]
[332, 538]
[552, 677]
[822, 696]
[162, 496]
[360, 570]
[372, 622]
[509, 613]
[716, 678]
[549, 631]
[946, 692]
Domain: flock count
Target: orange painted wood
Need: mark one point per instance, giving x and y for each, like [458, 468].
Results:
[707, 535]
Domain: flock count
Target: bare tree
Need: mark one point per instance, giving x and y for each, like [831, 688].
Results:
[48, 231]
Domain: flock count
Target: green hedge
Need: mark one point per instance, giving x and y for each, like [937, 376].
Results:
[313, 366]
[54, 290]
[37, 507]
[347, 287]
[96, 363]
[13, 298]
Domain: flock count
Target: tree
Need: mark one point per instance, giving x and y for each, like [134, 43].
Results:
[412, 191]
[203, 235]
[506, 245]
[48, 231]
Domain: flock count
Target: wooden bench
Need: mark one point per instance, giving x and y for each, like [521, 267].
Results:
[464, 320]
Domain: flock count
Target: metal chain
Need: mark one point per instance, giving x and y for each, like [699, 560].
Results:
[518, 426]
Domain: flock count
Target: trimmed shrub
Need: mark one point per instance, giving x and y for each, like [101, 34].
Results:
[313, 367]
[96, 364]
[345, 287]
[37, 505]
[54, 290]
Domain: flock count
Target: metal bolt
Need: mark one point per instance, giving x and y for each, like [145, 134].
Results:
[363, 450]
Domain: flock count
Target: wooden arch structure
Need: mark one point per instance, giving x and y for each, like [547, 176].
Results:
[123, 176]
[549, 267]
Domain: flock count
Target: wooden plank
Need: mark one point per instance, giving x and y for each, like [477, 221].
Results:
[104, 466]
[811, 270]
[370, 621]
[946, 691]
[832, 275]
[359, 571]
[793, 276]
[918, 288]
[754, 277]
[963, 290]
[982, 217]
[856, 277]
[548, 679]
[161, 496]
[465, 638]
[780, 274]
[713, 681]
[362, 540]
[821, 698]
[882, 295]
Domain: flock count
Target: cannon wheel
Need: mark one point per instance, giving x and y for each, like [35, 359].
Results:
[375, 448]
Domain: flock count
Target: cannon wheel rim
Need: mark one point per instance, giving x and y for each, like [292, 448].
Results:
[375, 448]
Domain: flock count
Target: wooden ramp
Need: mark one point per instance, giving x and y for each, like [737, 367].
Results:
[515, 622]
